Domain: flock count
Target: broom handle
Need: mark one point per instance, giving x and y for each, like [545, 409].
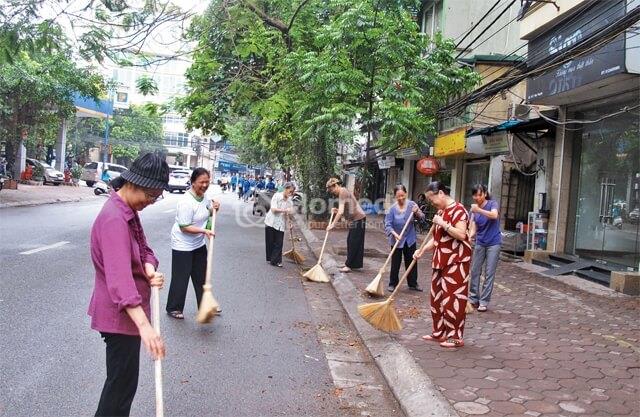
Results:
[410, 268]
[293, 247]
[395, 246]
[210, 250]
[325, 239]
[155, 295]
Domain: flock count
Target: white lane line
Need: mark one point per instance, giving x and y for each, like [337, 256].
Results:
[41, 248]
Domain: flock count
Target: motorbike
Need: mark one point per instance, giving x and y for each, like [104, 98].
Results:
[617, 222]
[101, 188]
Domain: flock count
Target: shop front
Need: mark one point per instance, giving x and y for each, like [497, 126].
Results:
[606, 186]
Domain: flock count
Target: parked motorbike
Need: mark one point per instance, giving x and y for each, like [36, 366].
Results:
[101, 188]
[617, 222]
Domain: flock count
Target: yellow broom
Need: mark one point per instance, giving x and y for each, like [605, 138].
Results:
[317, 273]
[209, 307]
[293, 254]
[382, 315]
[376, 287]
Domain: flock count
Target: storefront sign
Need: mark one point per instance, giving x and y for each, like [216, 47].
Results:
[452, 143]
[406, 153]
[386, 162]
[229, 166]
[428, 166]
[603, 63]
[496, 143]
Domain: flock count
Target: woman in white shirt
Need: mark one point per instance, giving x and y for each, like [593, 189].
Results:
[188, 243]
[275, 222]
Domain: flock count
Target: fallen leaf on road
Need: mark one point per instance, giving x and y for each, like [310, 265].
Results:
[337, 392]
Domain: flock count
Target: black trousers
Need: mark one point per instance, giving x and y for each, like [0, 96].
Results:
[396, 259]
[185, 264]
[123, 365]
[355, 244]
[273, 244]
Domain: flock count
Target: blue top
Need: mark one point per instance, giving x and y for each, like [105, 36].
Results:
[487, 230]
[395, 219]
[260, 185]
[246, 185]
[271, 185]
[234, 180]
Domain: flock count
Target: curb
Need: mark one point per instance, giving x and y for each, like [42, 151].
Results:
[414, 390]
[32, 203]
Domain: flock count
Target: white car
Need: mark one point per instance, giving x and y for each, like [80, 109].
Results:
[180, 180]
[51, 175]
[92, 172]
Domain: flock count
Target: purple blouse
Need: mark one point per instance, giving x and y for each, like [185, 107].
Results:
[119, 251]
[395, 219]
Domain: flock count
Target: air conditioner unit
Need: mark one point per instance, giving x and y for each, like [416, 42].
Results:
[519, 111]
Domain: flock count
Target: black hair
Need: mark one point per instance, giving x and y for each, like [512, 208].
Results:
[421, 195]
[399, 187]
[198, 172]
[436, 186]
[480, 188]
[117, 183]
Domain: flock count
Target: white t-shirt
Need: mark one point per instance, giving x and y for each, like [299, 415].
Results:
[278, 220]
[190, 212]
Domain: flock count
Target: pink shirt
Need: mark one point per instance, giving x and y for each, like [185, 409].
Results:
[119, 251]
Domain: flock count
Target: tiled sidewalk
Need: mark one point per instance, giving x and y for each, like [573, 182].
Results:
[543, 349]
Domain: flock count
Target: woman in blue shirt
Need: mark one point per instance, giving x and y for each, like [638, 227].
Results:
[485, 227]
[394, 221]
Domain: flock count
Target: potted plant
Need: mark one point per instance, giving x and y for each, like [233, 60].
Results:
[76, 173]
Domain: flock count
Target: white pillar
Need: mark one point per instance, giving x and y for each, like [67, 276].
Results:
[21, 160]
[61, 146]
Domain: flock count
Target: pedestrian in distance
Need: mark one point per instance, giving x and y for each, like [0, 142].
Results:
[275, 223]
[349, 207]
[246, 189]
[240, 185]
[271, 184]
[234, 181]
[188, 243]
[450, 263]
[485, 229]
[126, 269]
[394, 221]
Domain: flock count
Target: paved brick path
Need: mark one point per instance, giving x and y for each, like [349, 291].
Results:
[29, 195]
[543, 349]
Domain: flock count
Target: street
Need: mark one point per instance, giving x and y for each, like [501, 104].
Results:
[256, 359]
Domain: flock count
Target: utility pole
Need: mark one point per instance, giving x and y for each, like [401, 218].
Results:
[105, 141]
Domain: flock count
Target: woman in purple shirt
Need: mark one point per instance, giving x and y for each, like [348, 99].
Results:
[485, 227]
[125, 272]
[394, 221]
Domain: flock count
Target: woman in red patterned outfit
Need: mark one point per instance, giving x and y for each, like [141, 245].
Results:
[451, 263]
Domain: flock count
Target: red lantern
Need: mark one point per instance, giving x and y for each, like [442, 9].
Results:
[428, 166]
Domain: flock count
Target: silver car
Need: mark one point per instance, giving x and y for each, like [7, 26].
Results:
[51, 175]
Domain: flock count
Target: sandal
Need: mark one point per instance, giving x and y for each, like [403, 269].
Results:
[452, 343]
[482, 308]
[345, 269]
[432, 338]
[176, 314]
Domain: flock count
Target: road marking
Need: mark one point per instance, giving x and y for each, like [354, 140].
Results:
[42, 248]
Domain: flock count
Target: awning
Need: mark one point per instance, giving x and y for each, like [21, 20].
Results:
[88, 107]
[513, 126]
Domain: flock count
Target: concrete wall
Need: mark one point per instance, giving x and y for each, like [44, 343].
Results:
[560, 187]
[544, 15]
[460, 15]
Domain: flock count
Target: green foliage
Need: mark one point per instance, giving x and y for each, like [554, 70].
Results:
[38, 172]
[288, 81]
[76, 171]
[134, 131]
[147, 85]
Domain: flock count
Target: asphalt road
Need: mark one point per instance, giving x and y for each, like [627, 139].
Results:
[253, 360]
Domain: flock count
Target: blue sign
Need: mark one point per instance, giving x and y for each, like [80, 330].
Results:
[101, 106]
[228, 166]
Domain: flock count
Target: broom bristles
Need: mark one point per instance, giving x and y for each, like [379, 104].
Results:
[469, 308]
[376, 287]
[295, 256]
[381, 315]
[316, 274]
[208, 306]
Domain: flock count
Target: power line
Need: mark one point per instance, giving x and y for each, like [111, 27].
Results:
[625, 109]
[478, 23]
[486, 29]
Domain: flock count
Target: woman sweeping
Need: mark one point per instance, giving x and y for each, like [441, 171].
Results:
[394, 221]
[125, 272]
[450, 263]
[485, 227]
[275, 221]
[188, 243]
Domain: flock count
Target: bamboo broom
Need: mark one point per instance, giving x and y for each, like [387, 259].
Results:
[376, 287]
[293, 254]
[209, 306]
[317, 273]
[382, 315]
[155, 294]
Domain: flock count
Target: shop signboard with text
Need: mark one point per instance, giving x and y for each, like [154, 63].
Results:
[450, 143]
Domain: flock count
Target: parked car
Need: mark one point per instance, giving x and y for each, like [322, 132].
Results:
[634, 216]
[179, 180]
[92, 172]
[51, 175]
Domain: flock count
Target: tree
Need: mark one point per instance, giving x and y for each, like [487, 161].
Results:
[135, 131]
[291, 81]
[36, 93]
